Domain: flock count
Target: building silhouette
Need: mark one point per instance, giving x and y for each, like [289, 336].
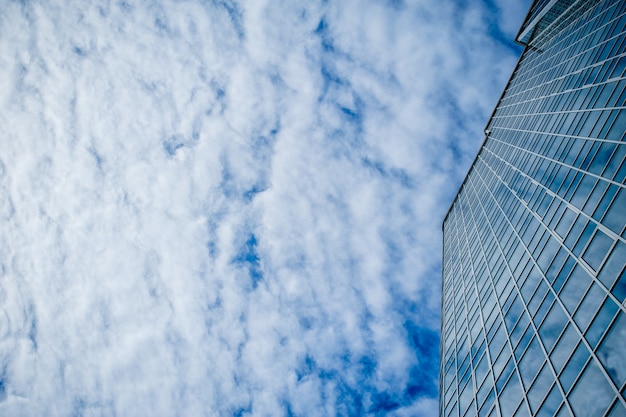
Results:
[534, 249]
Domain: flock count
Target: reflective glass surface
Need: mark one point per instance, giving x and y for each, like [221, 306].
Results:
[534, 278]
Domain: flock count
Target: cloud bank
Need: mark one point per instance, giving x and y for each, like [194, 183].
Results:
[233, 208]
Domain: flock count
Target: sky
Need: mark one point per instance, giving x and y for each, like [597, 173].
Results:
[223, 208]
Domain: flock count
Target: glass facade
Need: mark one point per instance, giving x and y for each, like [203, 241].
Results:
[534, 284]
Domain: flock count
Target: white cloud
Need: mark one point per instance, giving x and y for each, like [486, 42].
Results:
[221, 208]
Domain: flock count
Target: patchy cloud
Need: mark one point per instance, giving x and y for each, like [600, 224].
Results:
[233, 208]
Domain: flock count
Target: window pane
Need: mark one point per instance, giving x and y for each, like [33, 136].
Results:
[504, 376]
[615, 217]
[482, 368]
[563, 274]
[566, 222]
[519, 330]
[510, 397]
[618, 410]
[619, 289]
[555, 322]
[601, 322]
[592, 394]
[540, 388]
[575, 231]
[614, 265]
[483, 392]
[611, 351]
[499, 364]
[528, 334]
[574, 288]
[552, 403]
[531, 362]
[564, 412]
[543, 309]
[597, 250]
[466, 397]
[522, 411]
[488, 403]
[574, 366]
[589, 306]
[452, 410]
[584, 238]
[564, 348]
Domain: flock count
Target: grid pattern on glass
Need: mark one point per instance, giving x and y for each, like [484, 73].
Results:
[534, 280]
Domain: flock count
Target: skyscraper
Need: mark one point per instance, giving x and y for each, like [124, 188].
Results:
[534, 287]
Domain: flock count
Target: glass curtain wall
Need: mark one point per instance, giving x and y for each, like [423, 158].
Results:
[534, 287]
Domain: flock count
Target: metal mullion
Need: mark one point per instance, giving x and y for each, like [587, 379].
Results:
[570, 316]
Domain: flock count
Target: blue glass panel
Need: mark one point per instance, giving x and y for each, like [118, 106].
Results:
[488, 403]
[483, 392]
[618, 410]
[540, 388]
[504, 376]
[595, 197]
[606, 200]
[614, 265]
[584, 238]
[597, 249]
[452, 409]
[543, 309]
[482, 368]
[563, 274]
[619, 289]
[574, 366]
[615, 217]
[499, 364]
[556, 265]
[564, 412]
[531, 362]
[555, 322]
[567, 219]
[601, 322]
[602, 158]
[612, 351]
[589, 306]
[520, 327]
[522, 411]
[574, 288]
[466, 398]
[514, 313]
[551, 404]
[592, 394]
[510, 397]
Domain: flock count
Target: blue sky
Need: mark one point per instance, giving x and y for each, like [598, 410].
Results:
[234, 208]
